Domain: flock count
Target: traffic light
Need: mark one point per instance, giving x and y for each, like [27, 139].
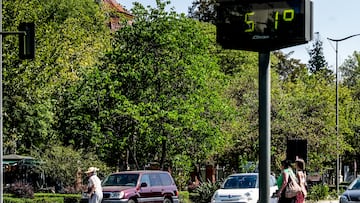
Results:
[27, 41]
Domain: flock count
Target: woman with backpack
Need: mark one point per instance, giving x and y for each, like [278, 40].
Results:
[283, 181]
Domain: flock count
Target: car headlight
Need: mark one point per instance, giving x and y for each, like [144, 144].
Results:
[117, 195]
[215, 195]
[343, 199]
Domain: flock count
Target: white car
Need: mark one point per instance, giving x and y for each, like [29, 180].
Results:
[241, 188]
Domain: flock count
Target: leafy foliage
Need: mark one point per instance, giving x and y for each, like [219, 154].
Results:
[287, 68]
[203, 10]
[62, 165]
[317, 62]
[349, 87]
[70, 35]
[160, 90]
[21, 190]
[182, 167]
[318, 192]
[204, 192]
[156, 95]
[350, 72]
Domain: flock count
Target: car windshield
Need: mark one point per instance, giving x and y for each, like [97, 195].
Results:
[355, 185]
[121, 180]
[240, 182]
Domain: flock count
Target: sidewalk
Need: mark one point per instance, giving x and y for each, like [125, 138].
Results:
[327, 201]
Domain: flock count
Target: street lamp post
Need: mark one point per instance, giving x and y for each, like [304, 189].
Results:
[337, 108]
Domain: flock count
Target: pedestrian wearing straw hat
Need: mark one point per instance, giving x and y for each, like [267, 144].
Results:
[94, 186]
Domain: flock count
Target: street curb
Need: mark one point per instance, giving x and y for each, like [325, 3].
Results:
[327, 201]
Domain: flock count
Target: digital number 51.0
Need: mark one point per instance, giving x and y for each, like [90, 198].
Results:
[288, 15]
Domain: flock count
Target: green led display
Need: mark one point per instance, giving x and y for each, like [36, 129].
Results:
[258, 25]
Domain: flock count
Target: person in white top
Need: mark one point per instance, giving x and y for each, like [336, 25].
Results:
[94, 186]
[301, 175]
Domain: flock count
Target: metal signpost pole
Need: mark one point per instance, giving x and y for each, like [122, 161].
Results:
[1, 114]
[270, 25]
[264, 126]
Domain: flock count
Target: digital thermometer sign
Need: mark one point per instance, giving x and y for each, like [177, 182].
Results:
[258, 25]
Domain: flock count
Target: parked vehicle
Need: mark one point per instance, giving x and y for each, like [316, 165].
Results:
[352, 192]
[241, 187]
[139, 186]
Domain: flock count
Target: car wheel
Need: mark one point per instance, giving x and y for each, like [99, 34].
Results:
[167, 200]
[131, 201]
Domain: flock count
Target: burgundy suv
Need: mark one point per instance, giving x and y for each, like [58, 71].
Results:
[139, 186]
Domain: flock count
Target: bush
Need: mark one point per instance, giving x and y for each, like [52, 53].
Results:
[45, 198]
[318, 192]
[204, 192]
[184, 197]
[182, 165]
[71, 199]
[35, 200]
[71, 168]
[21, 190]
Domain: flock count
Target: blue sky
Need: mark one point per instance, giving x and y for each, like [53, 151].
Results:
[334, 19]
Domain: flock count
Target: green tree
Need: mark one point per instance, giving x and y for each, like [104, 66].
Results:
[317, 62]
[305, 110]
[70, 35]
[243, 91]
[164, 91]
[302, 107]
[61, 164]
[349, 125]
[350, 72]
[203, 10]
[349, 106]
[157, 94]
[288, 68]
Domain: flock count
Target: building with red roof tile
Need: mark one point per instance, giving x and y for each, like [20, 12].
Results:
[117, 14]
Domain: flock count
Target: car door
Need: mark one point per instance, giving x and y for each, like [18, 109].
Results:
[273, 185]
[156, 188]
[145, 191]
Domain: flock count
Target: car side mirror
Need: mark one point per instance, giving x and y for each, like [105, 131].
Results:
[143, 185]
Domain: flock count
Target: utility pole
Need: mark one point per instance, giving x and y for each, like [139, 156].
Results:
[337, 180]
